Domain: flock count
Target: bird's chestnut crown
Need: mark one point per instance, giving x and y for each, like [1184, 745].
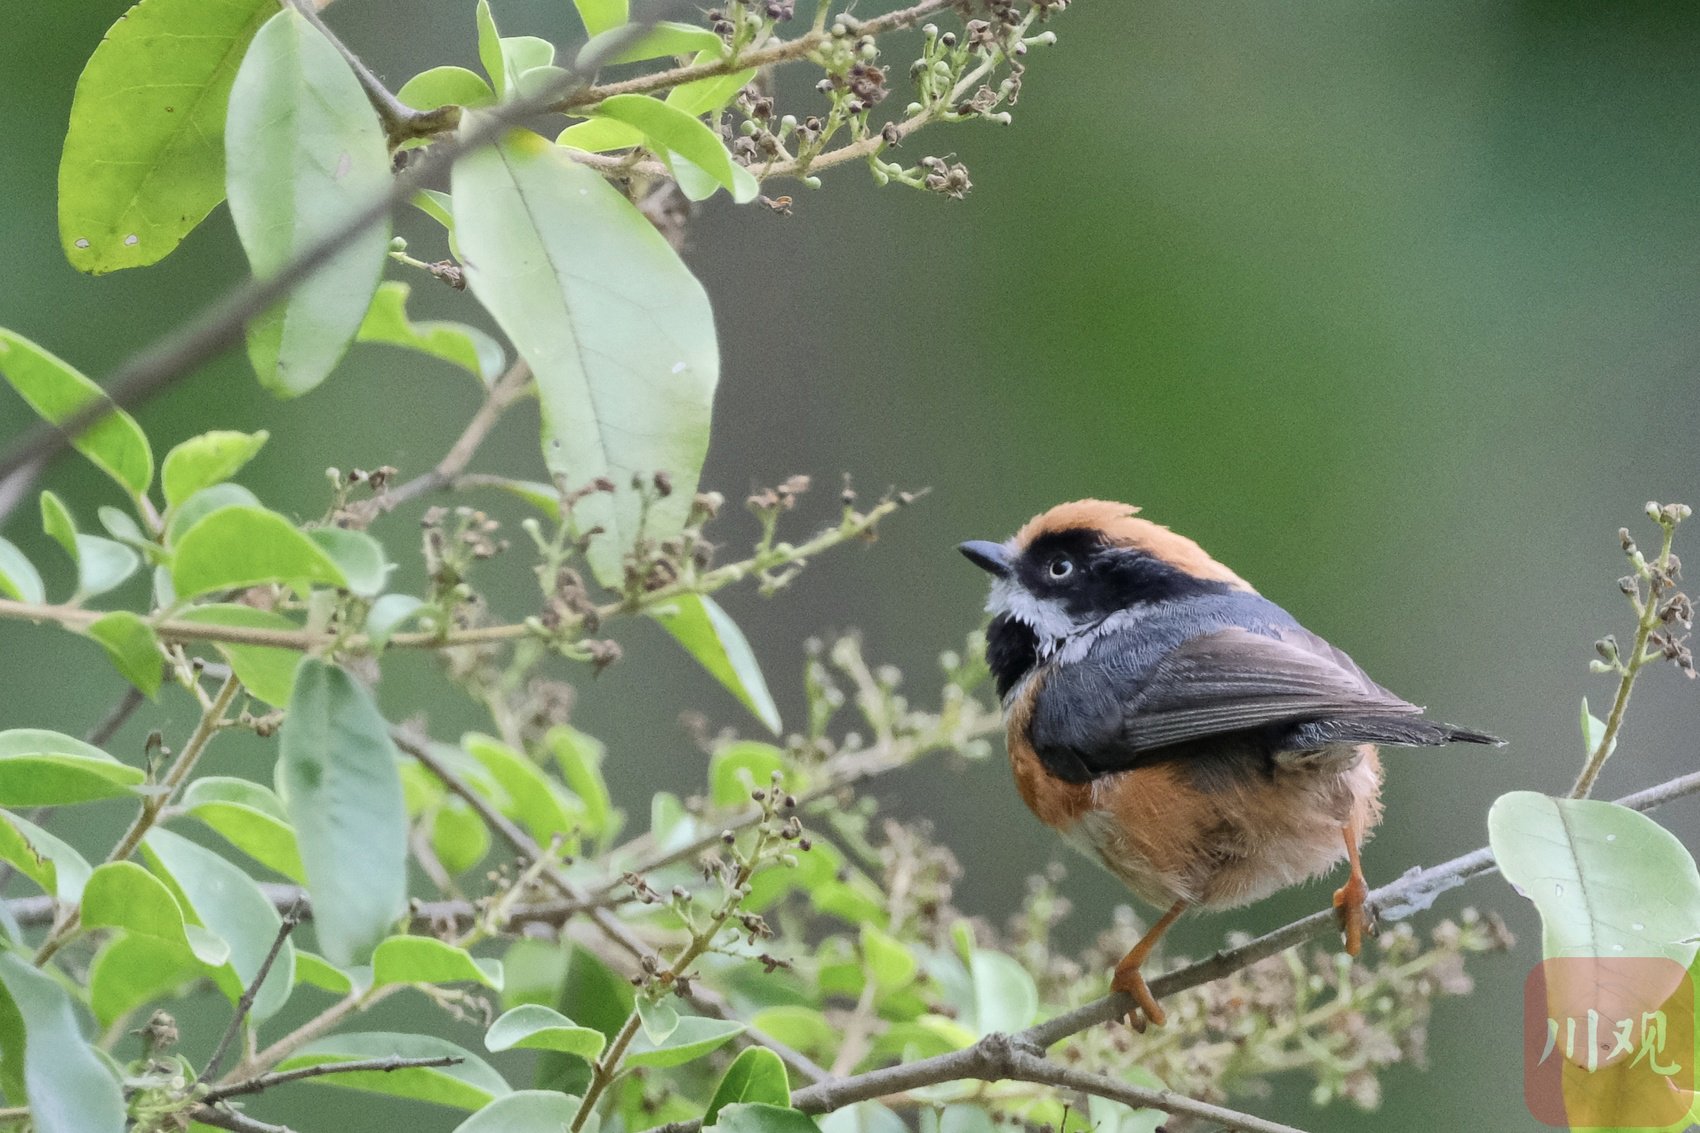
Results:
[1073, 566]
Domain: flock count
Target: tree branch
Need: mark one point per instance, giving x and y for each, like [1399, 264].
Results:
[386, 1065]
[245, 1004]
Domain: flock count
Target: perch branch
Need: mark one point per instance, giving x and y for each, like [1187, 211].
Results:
[386, 1065]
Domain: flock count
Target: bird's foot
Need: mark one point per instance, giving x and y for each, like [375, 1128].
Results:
[1128, 981]
[1349, 907]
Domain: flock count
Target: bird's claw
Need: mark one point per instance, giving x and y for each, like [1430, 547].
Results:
[1129, 982]
[1349, 907]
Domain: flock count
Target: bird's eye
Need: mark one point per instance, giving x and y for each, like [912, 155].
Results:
[1061, 568]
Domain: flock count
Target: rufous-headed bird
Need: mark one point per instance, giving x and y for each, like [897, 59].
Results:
[1180, 728]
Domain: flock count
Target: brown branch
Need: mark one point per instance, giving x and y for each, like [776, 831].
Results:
[401, 122]
[386, 1065]
[230, 1119]
[245, 1003]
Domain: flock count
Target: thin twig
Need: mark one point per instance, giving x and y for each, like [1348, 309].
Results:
[245, 1004]
[220, 1118]
[1023, 1066]
[386, 1065]
[401, 121]
[351, 1004]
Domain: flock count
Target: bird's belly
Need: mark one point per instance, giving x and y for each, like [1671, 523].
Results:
[1224, 839]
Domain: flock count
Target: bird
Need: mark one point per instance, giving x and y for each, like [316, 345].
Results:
[1178, 727]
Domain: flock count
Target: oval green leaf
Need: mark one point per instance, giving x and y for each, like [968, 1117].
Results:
[228, 903]
[389, 614]
[124, 895]
[579, 758]
[133, 648]
[131, 971]
[709, 634]
[144, 156]
[756, 1118]
[58, 392]
[200, 462]
[756, 1077]
[524, 1111]
[40, 768]
[694, 1037]
[601, 15]
[456, 343]
[1005, 998]
[357, 555]
[58, 869]
[663, 39]
[66, 1086]
[445, 86]
[540, 805]
[617, 330]
[469, 1084]
[321, 973]
[427, 960]
[304, 152]
[532, 1026]
[250, 817]
[672, 130]
[340, 785]
[237, 547]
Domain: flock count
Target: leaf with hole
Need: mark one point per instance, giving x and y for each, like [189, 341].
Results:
[143, 162]
[456, 343]
[341, 788]
[617, 330]
[41, 768]
[532, 1026]
[304, 153]
[58, 392]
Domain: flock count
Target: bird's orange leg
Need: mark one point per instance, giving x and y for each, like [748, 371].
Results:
[1349, 898]
[1128, 979]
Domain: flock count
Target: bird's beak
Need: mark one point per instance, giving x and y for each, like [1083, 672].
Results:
[993, 558]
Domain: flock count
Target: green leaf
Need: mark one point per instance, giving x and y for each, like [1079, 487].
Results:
[595, 994]
[800, 1028]
[741, 767]
[694, 1037]
[427, 960]
[237, 547]
[200, 462]
[490, 49]
[617, 330]
[469, 1084]
[669, 128]
[467, 347]
[445, 86]
[202, 504]
[863, 1117]
[305, 152]
[133, 648]
[436, 206]
[265, 671]
[389, 614]
[522, 54]
[738, 1118]
[58, 869]
[599, 135]
[228, 903]
[537, 803]
[341, 788]
[66, 1086]
[131, 971]
[756, 1077]
[532, 1026]
[892, 964]
[18, 576]
[124, 895]
[248, 816]
[580, 759]
[102, 564]
[459, 837]
[1005, 998]
[57, 522]
[321, 973]
[659, 1019]
[663, 39]
[524, 1111]
[58, 392]
[1115, 1117]
[601, 15]
[1608, 883]
[358, 556]
[709, 634]
[39, 768]
[707, 96]
[1593, 731]
[144, 156]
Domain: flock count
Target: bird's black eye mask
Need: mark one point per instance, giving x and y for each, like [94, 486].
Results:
[1092, 578]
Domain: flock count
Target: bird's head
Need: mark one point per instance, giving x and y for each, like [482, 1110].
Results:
[1071, 567]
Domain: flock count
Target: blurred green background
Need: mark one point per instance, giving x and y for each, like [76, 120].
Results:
[1392, 306]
